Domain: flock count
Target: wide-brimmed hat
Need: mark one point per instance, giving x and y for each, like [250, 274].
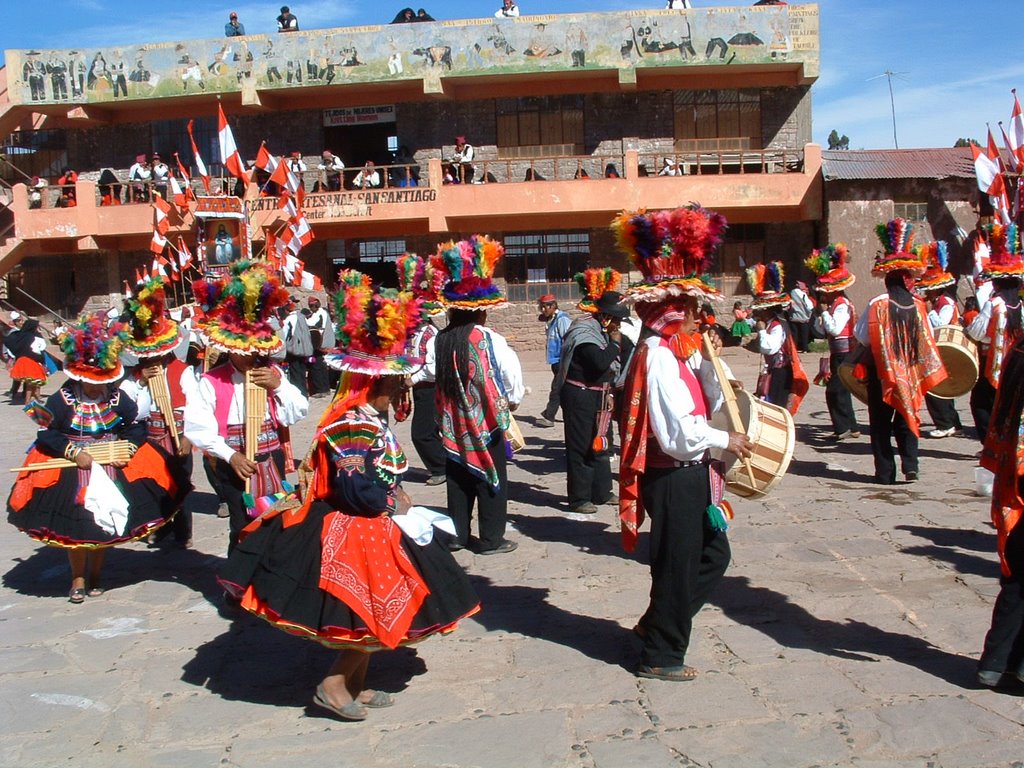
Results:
[374, 327]
[767, 282]
[1004, 242]
[897, 239]
[593, 283]
[673, 250]
[936, 258]
[829, 265]
[418, 276]
[467, 268]
[151, 332]
[611, 303]
[238, 309]
[92, 349]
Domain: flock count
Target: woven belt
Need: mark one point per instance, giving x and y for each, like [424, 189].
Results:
[591, 387]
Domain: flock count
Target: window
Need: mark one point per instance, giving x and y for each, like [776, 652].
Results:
[170, 136]
[380, 251]
[539, 263]
[704, 118]
[375, 258]
[33, 153]
[743, 247]
[540, 121]
[916, 213]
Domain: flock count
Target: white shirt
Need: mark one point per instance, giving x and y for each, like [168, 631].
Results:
[833, 322]
[333, 165]
[319, 319]
[465, 155]
[366, 179]
[680, 433]
[427, 372]
[512, 10]
[978, 329]
[140, 393]
[860, 331]
[772, 338]
[201, 420]
[508, 366]
[942, 316]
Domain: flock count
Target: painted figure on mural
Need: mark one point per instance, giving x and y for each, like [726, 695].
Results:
[34, 73]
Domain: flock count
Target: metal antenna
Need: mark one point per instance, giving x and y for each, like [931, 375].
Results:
[889, 75]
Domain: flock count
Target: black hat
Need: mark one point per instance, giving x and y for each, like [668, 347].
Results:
[611, 304]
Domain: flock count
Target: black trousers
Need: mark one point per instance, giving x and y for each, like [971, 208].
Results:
[1004, 643]
[589, 473]
[554, 397]
[319, 378]
[181, 526]
[886, 423]
[801, 334]
[839, 400]
[688, 558]
[780, 384]
[465, 488]
[425, 436]
[297, 371]
[233, 488]
[983, 397]
[943, 412]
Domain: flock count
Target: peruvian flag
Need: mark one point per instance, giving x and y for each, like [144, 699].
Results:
[160, 224]
[188, 193]
[299, 234]
[184, 254]
[228, 150]
[266, 161]
[287, 180]
[180, 197]
[1015, 141]
[140, 276]
[127, 290]
[157, 270]
[986, 168]
[200, 165]
[311, 282]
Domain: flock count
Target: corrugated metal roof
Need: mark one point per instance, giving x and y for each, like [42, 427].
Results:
[944, 163]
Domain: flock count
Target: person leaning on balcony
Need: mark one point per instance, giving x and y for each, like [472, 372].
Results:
[67, 182]
[109, 187]
[330, 171]
[508, 9]
[461, 167]
[669, 168]
[35, 192]
[139, 176]
[234, 28]
[287, 22]
[161, 175]
[367, 178]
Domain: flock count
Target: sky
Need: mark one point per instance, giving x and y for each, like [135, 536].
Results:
[951, 74]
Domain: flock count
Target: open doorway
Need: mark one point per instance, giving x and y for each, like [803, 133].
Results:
[355, 144]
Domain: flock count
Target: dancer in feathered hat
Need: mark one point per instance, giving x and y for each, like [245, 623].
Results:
[937, 287]
[835, 317]
[904, 362]
[155, 384]
[784, 382]
[73, 504]
[355, 567]
[671, 392]
[238, 311]
[999, 322]
[479, 382]
[418, 277]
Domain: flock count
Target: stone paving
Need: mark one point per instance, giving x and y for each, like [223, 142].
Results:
[845, 633]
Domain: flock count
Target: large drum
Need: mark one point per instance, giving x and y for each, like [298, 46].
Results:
[770, 429]
[847, 373]
[960, 356]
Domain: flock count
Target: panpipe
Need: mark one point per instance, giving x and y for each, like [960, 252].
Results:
[255, 414]
[107, 452]
[162, 398]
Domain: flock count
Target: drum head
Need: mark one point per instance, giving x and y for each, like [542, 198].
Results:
[857, 387]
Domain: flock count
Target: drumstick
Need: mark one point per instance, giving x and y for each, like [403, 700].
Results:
[732, 411]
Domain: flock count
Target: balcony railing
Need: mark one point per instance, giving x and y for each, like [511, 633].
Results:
[722, 162]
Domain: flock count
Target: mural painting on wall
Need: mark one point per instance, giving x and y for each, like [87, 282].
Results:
[222, 233]
[627, 40]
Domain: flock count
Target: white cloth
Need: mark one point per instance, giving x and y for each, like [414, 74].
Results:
[428, 371]
[508, 366]
[511, 11]
[771, 339]
[680, 433]
[108, 505]
[464, 155]
[201, 422]
[419, 523]
[978, 329]
[833, 322]
[800, 306]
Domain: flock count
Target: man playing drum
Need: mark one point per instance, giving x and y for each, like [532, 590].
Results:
[904, 362]
[671, 391]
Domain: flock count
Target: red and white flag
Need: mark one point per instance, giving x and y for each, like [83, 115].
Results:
[157, 270]
[184, 254]
[160, 224]
[266, 161]
[229, 156]
[986, 168]
[1015, 140]
[127, 290]
[140, 276]
[179, 195]
[200, 165]
[311, 282]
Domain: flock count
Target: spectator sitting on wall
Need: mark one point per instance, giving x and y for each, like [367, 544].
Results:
[287, 22]
[422, 15]
[405, 173]
[404, 16]
[367, 178]
[581, 173]
[669, 167]
[330, 172]
[461, 167]
[139, 176]
[611, 172]
[66, 182]
[109, 187]
[678, 5]
[35, 192]
[234, 28]
[508, 9]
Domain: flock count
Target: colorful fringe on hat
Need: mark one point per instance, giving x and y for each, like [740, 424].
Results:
[936, 258]
[829, 266]
[418, 276]
[152, 333]
[673, 250]
[897, 238]
[766, 282]
[468, 270]
[239, 307]
[1005, 258]
[92, 348]
[373, 328]
[594, 283]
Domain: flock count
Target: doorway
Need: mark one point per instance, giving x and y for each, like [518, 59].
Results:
[358, 143]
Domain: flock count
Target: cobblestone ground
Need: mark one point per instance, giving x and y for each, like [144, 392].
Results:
[845, 633]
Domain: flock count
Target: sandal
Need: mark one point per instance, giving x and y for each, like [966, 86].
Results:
[352, 711]
[95, 591]
[376, 699]
[76, 595]
[680, 674]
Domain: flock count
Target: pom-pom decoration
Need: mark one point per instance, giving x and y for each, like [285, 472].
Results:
[766, 282]
[238, 309]
[152, 332]
[92, 349]
[1004, 241]
[468, 270]
[829, 265]
[935, 257]
[593, 283]
[897, 239]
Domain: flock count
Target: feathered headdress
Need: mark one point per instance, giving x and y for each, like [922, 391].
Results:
[152, 333]
[767, 282]
[239, 307]
[92, 349]
[467, 267]
[673, 250]
[373, 327]
[897, 238]
[593, 283]
[829, 265]
[936, 258]
[1005, 258]
[418, 276]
